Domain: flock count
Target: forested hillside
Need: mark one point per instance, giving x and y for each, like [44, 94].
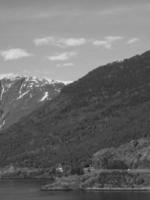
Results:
[107, 107]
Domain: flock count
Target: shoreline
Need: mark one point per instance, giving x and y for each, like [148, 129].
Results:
[119, 189]
[88, 189]
[99, 189]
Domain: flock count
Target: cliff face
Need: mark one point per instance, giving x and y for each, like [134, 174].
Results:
[21, 95]
[107, 107]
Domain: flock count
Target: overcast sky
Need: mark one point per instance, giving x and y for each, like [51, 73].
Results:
[64, 39]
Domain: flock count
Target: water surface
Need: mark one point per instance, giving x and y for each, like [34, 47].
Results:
[30, 190]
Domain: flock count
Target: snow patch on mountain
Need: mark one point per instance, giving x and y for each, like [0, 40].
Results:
[2, 92]
[44, 97]
[11, 77]
[20, 95]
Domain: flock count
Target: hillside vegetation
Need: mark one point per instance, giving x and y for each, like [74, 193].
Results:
[107, 107]
[132, 155]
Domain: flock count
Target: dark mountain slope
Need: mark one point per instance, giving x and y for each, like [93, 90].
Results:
[104, 82]
[107, 107]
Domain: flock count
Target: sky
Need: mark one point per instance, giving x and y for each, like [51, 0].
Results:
[65, 39]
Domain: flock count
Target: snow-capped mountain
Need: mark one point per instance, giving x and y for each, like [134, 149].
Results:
[20, 95]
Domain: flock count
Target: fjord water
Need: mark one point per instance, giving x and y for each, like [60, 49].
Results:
[30, 190]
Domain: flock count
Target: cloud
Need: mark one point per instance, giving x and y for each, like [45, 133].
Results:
[65, 65]
[107, 42]
[62, 56]
[68, 64]
[133, 40]
[103, 43]
[60, 42]
[72, 42]
[14, 54]
[44, 41]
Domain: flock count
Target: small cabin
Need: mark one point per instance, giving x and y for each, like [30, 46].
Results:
[59, 169]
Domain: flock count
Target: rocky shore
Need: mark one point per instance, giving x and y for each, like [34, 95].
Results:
[64, 183]
[103, 180]
[95, 180]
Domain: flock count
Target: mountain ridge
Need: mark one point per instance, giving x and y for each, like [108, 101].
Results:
[107, 107]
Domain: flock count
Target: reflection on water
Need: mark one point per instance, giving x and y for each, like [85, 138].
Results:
[30, 190]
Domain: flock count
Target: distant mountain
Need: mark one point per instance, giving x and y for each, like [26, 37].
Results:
[107, 107]
[20, 95]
